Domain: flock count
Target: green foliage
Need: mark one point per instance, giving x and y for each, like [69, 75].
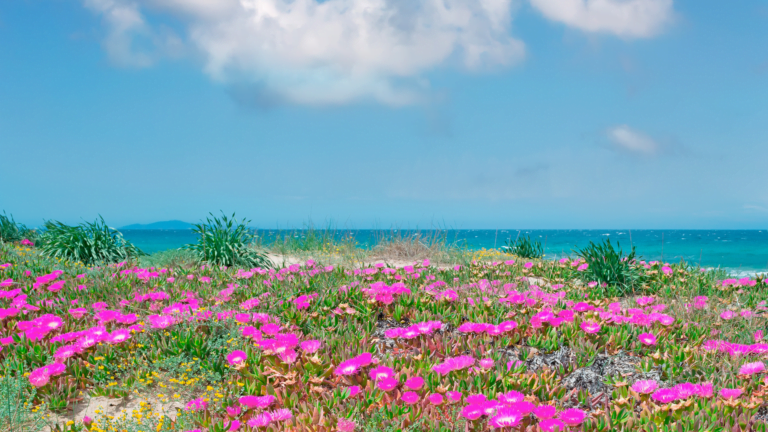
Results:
[615, 273]
[225, 241]
[10, 231]
[525, 247]
[88, 243]
[174, 258]
[16, 397]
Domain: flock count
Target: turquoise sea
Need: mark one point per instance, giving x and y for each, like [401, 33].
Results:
[738, 251]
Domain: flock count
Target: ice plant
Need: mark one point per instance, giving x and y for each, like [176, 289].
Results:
[645, 386]
[752, 368]
[647, 338]
[237, 358]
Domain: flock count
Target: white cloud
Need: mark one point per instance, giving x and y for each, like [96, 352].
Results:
[632, 141]
[336, 51]
[626, 18]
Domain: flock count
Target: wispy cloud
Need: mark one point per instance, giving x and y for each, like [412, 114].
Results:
[626, 18]
[624, 138]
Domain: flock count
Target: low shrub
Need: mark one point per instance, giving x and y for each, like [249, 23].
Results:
[615, 273]
[226, 242]
[525, 247]
[11, 231]
[88, 243]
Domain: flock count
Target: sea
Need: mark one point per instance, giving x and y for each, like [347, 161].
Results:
[740, 252]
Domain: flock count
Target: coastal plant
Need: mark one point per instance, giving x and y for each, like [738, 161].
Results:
[88, 243]
[227, 242]
[18, 412]
[11, 231]
[525, 247]
[611, 272]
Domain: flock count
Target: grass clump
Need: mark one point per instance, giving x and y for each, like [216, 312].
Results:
[525, 247]
[88, 243]
[11, 231]
[616, 274]
[226, 242]
[17, 411]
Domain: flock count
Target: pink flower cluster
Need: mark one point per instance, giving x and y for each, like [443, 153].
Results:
[414, 331]
[490, 329]
[384, 293]
[453, 363]
[508, 409]
[734, 349]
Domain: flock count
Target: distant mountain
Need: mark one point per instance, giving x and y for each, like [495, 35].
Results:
[164, 225]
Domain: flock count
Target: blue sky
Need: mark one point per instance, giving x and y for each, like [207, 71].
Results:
[381, 113]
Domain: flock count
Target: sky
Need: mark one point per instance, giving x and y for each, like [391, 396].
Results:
[387, 113]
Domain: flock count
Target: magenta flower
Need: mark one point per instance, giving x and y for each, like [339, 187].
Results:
[233, 411]
[414, 383]
[729, 393]
[256, 401]
[410, 397]
[344, 425]
[752, 368]
[727, 315]
[381, 372]
[472, 412]
[486, 363]
[454, 396]
[235, 358]
[506, 417]
[119, 336]
[758, 336]
[435, 398]
[544, 412]
[198, 404]
[647, 338]
[645, 386]
[387, 384]
[573, 416]
[310, 346]
[590, 327]
[549, 425]
[354, 391]
[666, 395]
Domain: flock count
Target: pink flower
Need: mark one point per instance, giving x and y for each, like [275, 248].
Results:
[664, 395]
[198, 404]
[758, 336]
[237, 357]
[645, 386]
[506, 417]
[387, 384]
[727, 315]
[528, 265]
[573, 416]
[310, 346]
[435, 398]
[752, 368]
[582, 267]
[590, 327]
[381, 372]
[233, 411]
[486, 363]
[545, 411]
[410, 397]
[647, 338]
[256, 401]
[454, 396]
[729, 393]
[414, 383]
[549, 425]
[344, 425]
[354, 391]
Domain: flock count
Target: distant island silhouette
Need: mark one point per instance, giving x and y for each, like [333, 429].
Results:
[164, 225]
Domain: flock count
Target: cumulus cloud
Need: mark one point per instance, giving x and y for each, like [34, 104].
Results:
[627, 139]
[335, 51]
[338, 51]
[625, 18]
